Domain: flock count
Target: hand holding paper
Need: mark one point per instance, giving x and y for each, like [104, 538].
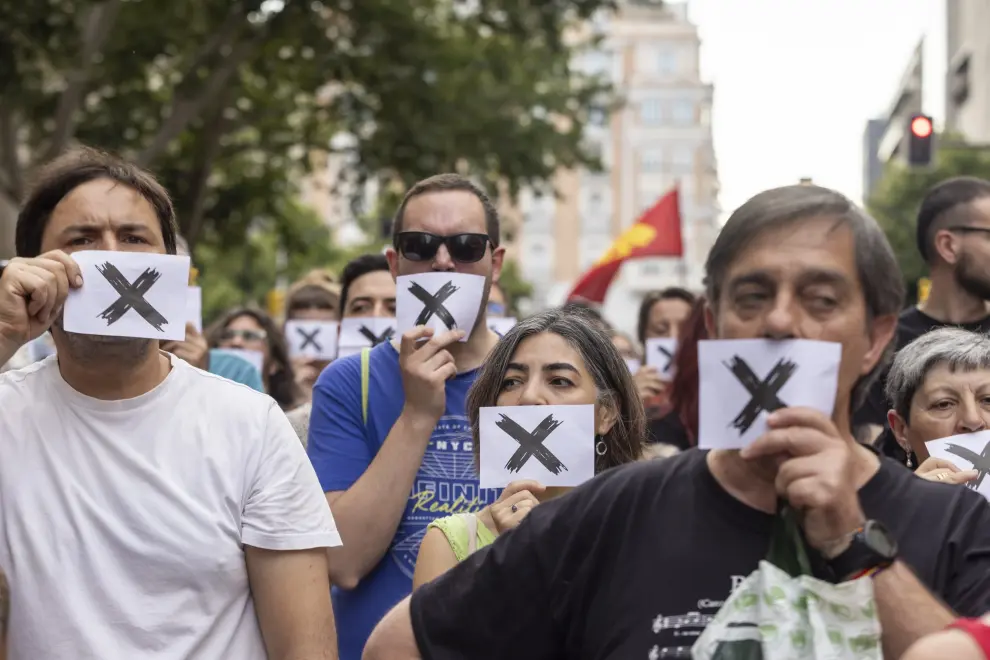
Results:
[32, 293]
[968, 451]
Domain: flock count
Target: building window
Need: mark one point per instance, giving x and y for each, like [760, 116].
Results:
[651, 111]
[651, 160]
[666, 62]
[682, 112]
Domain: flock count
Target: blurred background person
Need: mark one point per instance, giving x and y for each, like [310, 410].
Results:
[312, 298]
[938, 386]
[679, 426]
[660, 316]
[253, 330]
[556, 357]
[499, 304]
[366, 290]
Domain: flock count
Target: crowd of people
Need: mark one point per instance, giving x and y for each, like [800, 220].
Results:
[223, 496]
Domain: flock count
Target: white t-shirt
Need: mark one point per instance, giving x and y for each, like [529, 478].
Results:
[123, 523]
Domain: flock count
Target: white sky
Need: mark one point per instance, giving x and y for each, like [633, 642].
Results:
[796, 81]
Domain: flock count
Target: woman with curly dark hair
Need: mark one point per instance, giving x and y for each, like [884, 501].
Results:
[250, 329]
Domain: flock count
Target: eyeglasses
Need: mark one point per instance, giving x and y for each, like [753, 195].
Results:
[231, 334]
[422, 246]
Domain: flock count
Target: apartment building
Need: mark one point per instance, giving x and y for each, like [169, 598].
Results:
[660, 138]
[967, 85]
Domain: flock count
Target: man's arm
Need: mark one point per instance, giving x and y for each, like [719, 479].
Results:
[292, 600]
[369, 512]
[369, 494]
[393, 638]
[907, 610]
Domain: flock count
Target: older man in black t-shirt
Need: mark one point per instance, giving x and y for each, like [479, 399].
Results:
[635, 563]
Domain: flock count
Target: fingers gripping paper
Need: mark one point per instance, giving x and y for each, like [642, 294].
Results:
[442, 301]
[554, 445]
[129, 294]
[744, 380]
[969, 451]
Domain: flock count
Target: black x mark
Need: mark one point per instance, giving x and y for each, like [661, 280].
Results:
[376, 339]
[309, 339]
[981, 462]
[764, 393]
[131, 296]
[667, 354]
[531, 444]
[433, 304]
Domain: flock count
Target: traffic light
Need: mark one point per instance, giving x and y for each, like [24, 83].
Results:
[920, 134]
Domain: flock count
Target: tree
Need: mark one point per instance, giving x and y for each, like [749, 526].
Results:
[226, 99]
[896, 200]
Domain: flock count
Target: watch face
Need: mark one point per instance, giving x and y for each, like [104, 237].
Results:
[880, 540]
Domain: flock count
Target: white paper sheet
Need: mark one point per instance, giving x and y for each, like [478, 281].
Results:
[314, 340]
[195, 307]
[969, 451]
[660, 353]
[797, 372]
[633, 364]
[149, 297]
[442, 301]
[501, 324]
[357, 333]
[563, 438]
[255, 358]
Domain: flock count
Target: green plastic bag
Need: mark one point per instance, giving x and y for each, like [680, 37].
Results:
[781, 612]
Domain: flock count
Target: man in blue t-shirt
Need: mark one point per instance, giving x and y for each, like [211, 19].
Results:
[411, 461]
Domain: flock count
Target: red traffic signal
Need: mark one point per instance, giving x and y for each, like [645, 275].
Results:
[919, 141]
[921, 126]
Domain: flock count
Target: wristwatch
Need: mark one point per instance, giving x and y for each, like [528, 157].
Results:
[872, 548]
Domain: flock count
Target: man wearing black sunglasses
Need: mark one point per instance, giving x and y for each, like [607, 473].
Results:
[390, 472]
[953, 237]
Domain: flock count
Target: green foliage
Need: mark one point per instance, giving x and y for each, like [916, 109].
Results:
[226, 100]
[896, 200]
[513, 284]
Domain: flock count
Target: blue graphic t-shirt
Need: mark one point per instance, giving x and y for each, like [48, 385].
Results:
[341, 448]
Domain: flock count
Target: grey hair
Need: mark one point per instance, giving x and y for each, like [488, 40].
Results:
[958, 349]
[878, 272]
[626, 439]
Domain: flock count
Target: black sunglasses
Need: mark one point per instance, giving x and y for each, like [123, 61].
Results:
[422, 246]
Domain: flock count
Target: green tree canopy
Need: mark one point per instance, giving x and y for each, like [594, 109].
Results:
[898, 196]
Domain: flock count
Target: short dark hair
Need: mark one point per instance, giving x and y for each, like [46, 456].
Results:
[73, 169]
[652, 298]
[878, 272]
[446, 183]
[941, 199]
[358, 267]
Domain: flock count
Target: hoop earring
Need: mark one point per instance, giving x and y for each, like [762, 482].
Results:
[600, 447]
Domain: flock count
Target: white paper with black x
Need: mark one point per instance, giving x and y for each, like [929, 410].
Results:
[129, 294]
[313, 340]
[357, 333]
[743, 380]
[501, 324]
[442, 301]
[660, 355]
[554, 445]
[968, 451]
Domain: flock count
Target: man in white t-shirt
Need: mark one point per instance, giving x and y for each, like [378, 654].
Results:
[147, 509]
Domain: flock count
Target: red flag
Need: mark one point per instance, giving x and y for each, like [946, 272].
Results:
[656, 234]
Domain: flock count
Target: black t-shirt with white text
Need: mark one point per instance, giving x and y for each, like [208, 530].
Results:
[911, 324]
[636, 562]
